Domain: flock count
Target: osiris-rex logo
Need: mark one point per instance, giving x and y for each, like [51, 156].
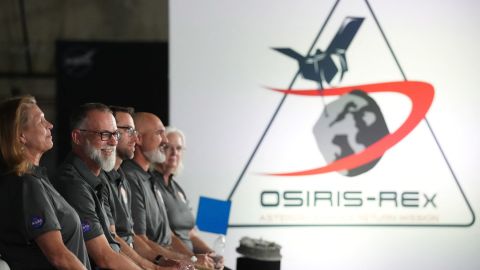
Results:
[351, 132]
[322, 198]
[353, 122]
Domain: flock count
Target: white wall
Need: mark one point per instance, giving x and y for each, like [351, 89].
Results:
[220, 63]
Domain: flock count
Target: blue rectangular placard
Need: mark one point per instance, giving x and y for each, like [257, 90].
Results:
[212, 215]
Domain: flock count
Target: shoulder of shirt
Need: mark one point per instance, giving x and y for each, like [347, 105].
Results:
[132, 171]
[30, 182]
[66, 171]
[34, 174]
[28, 178]
[68, 175]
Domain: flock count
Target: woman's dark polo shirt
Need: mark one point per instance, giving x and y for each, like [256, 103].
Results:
[179, 211]
[30, 207]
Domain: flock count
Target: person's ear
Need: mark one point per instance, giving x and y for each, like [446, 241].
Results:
[139, 139]
[75, 134]
[23, 139]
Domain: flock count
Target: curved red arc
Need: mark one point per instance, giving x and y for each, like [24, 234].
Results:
[420, 94]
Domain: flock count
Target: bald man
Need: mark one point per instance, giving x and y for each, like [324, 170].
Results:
[148, 210]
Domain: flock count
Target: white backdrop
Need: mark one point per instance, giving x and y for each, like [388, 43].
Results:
[221, 61]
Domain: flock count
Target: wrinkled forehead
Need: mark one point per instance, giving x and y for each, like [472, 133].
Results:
[100, 120]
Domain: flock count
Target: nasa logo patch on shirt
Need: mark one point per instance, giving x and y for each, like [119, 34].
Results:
[37, 222]
[86, 226]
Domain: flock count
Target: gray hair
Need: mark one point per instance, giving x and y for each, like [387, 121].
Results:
[170, 130]
[79, 115]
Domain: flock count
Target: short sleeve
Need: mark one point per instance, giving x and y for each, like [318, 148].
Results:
[78, 195]
[38, 211]
[139, 215]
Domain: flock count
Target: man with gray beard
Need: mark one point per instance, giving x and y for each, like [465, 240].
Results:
[150, 220]
[121, 199]
[94, 138]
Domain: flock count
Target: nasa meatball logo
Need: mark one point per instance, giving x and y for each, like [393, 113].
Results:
[86, 227]
[37, 222]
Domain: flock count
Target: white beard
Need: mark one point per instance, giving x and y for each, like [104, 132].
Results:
[106, 163]
[155, 156]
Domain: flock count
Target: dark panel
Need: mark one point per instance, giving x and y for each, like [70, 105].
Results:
[115, 73]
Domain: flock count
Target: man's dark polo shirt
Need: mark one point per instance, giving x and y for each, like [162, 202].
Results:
[148, 211]
[121, 203]
[88, 195]
[30, 207]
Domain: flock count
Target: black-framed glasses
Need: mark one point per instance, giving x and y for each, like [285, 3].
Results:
[104, 135]
[130, 130]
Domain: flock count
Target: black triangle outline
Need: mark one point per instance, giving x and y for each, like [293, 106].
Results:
[247, 165]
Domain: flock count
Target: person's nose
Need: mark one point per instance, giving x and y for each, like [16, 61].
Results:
[48, 124]
[113, 140]
[164, 139]
[135, 138]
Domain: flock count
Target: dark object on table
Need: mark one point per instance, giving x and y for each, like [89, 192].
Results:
[259, 249]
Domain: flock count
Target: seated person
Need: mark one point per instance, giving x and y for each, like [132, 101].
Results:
[121, 199]
[94, 137]
[150, 221]
[179, 212]
[39, 229]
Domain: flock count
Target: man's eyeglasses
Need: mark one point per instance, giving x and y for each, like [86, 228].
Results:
[105, 135]
[130, 130]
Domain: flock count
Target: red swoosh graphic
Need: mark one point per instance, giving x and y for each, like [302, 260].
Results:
[420, 94]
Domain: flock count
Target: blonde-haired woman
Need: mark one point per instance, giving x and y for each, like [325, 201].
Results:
[39, 229]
